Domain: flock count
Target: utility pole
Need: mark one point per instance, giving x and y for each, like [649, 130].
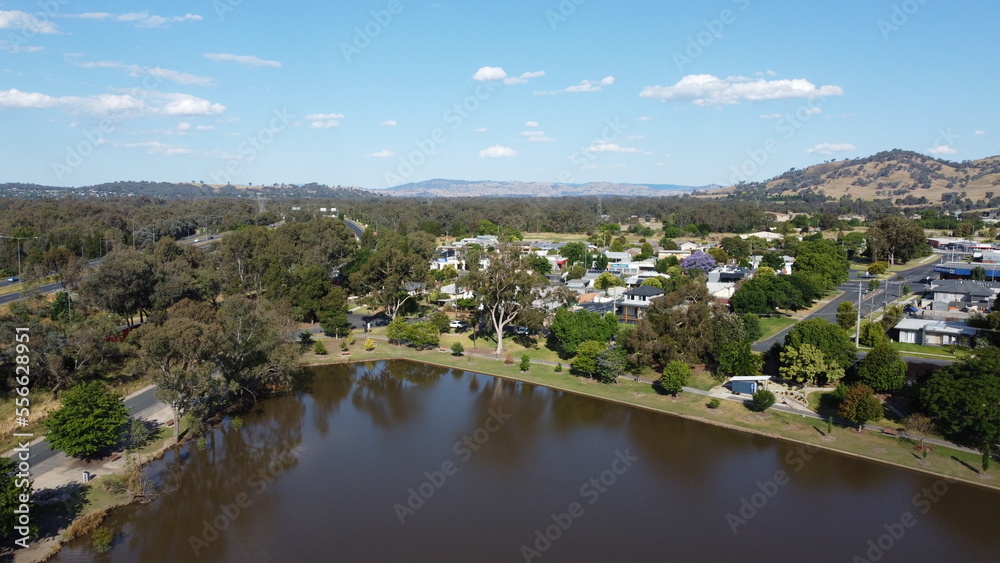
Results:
[18, 239]
[857, 333]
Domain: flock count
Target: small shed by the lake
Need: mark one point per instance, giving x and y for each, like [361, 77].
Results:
[748, 383]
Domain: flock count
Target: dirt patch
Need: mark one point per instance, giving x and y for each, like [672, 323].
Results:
[829, 438]
[879, 451]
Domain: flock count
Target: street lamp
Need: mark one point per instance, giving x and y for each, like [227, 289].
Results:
[18, 239]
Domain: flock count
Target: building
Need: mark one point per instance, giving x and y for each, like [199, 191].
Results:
[963, 270]
[961, 292]
[934, 333]
[634, 303]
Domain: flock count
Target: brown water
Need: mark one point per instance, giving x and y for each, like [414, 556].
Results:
[336, 473]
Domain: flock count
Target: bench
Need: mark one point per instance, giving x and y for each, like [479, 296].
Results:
[890, 432]
[115, 457]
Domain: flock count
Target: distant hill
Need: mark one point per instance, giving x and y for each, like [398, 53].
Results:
[185, 190]
[904, 177]
[461, 188]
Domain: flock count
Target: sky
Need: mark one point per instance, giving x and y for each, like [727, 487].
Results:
[378, 93]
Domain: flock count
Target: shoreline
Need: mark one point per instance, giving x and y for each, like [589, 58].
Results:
[717, 423]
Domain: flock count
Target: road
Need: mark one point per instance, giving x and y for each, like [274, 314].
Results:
[356, 227]
[44, 458]
[870, 302]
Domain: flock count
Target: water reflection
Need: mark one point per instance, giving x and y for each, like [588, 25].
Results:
[320, 477]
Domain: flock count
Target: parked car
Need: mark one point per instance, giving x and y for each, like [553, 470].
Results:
[458, 324]
[13, 279]
[521, 330]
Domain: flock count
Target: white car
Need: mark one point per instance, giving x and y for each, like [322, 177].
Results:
[458, 324]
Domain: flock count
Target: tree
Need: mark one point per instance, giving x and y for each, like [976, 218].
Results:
[806, 363]
[891, 316]
[570, 329]
[698, 260]
[610, 364]
[178, 355]
[878, 268]
[122, 284]
[457, 349]
[883, 369]
[832, 340]
[894, 237]
[773, 260]
[847, 316]
[751, 327]
[255, 352]
[727, 328]
[89, 421]
[762, 400]
[575, 272]
[860, 405]
[398, 263]
[504, 288]
[586, 357]
[963, 399]
[608, 280]
[979, 273]
[736, 247]
[574, 253]
[13, 487]
[677, 326]
[872, 334]
[737, 359]
[539, 264]
[919, 424]
[824, 258]
[720, 255]
[675, 376]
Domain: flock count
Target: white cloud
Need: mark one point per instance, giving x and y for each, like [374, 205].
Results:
[384, 153]
[941, 149]
[164, 73]
[497, 151]
[204, 128]
[388, 123]
[766, 73]
[118, 105]
[978, 133]
[16, 19]
[771, 116]
[531, 124]
[619, 165]
[644, 118]
[156, 147]
[814, 111]
[830, 148]
[183, 127]
[248, 60]
[8, 47]
[479, 130]
[583, 86]
[488, 73]
[605, 146]
[536, 136]
[636, 137]
[523, 78]
[324, 120]
[139, 19]
[659, 164]
[706, 90]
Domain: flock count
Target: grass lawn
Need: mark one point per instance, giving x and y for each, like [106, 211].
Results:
[899, 452]
[917, 350]
[774, 325]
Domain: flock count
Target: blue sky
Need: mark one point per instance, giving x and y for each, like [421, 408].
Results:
[379, 93]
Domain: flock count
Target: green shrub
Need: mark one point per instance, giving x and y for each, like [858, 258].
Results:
[101, 540]
[762, 400]
[457, 349]
[525, 364]
[714, 403]
[559, 367]
[319, 349]
[369, 344]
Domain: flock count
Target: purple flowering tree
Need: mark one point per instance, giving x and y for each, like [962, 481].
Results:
[698, 260]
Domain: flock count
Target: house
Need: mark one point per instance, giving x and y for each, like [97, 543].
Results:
[618, 257]
[634, 302]
[689, 246]
[766, 235]
[961, 291]
[934, 333]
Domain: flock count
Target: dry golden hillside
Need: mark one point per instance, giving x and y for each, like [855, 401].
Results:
[894, 175]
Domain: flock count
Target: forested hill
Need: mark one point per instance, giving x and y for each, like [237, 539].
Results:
[459, 188]
[903, 177]
[185, 190]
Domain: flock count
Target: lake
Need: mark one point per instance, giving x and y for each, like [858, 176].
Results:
[398, 460]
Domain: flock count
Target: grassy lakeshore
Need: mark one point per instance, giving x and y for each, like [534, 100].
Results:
[900, 452]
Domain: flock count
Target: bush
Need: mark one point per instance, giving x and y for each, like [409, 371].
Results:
[457, 349]
[319, 349]
[89, 421]
[675, 376]
[305, 338]
[762, 400]
[369, 344]
[559, 367]
[525, 364]
[508, 359]
[350, 338]
[343, 345]
[714, 403]
[101, 540]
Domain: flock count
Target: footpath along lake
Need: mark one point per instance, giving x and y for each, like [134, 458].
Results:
[398, 460]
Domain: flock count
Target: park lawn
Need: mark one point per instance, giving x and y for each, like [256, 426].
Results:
[773, 325]
[918, 350]
[896, 451]
[702, 380]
